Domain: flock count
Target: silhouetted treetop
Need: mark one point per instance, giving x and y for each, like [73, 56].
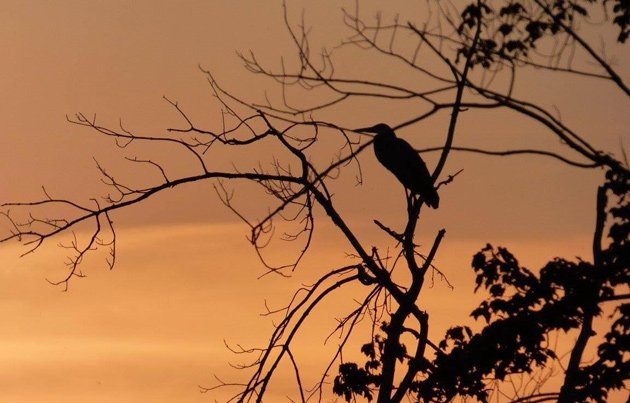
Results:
[513, 29]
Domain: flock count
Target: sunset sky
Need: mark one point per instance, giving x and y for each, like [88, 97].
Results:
[186, 279]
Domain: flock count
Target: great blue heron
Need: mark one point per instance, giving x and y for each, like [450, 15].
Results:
[403, 161]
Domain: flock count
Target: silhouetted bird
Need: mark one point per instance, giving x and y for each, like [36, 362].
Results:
[403, 161]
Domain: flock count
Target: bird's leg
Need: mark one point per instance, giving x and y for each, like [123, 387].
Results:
[410, 200]
[414, 202]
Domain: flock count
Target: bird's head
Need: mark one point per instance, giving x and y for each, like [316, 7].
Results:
[380, 129]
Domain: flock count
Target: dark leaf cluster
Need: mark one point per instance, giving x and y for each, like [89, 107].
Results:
[612, 366]
[522, 308]
[512, 29]
[353, 380]
[513, 341]
[616, 257]
[621, 11]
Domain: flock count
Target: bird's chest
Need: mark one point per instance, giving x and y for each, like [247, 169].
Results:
[383, 150]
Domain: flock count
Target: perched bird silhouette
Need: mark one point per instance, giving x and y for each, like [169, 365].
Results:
[404, 162]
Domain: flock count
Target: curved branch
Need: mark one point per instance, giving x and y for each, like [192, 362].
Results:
[515, 152]
[605, 65]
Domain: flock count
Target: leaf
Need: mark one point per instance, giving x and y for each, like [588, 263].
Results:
[506, 29]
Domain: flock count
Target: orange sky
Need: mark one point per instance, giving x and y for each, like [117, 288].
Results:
[186, 279]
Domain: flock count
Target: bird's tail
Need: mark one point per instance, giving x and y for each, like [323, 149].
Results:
[432, 199]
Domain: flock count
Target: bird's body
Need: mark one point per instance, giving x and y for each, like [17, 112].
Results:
[404, 162]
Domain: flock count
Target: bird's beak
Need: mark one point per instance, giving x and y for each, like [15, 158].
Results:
[366, 130]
